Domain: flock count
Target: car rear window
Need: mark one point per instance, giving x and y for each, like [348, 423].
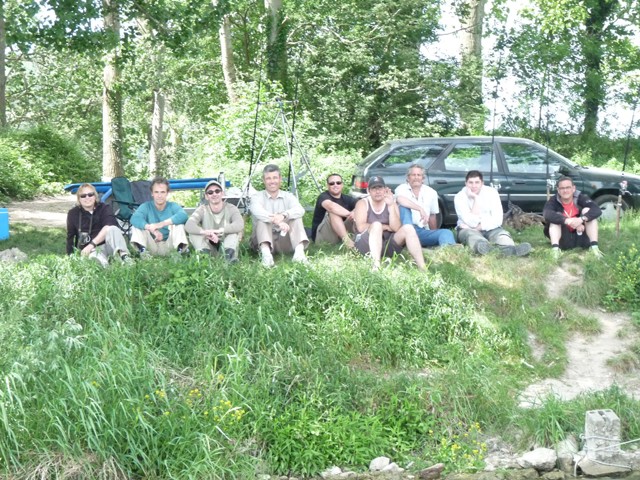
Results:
[470, 156]
[405, 156]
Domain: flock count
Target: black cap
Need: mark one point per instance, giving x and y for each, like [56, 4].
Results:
[376, 182]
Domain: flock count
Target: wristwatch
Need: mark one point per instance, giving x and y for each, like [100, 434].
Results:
[584, 219]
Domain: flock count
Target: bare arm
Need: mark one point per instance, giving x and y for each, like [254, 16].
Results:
[360, 216]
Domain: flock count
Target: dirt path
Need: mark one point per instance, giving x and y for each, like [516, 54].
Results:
[42, 212]
[588, 355]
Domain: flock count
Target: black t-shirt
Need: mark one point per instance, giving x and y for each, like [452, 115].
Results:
[345, 201]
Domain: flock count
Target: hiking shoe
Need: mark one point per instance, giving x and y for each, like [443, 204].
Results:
[483, 248]
[523, 249]
[595, 251]
[556, 253]
[267, 259]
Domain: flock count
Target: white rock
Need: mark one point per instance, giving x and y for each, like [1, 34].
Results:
[393, 467]
[331, 472]
[378, 464]
[542, 459]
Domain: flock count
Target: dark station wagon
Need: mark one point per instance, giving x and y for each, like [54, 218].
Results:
[520, 169]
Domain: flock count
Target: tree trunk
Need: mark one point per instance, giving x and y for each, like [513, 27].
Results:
[472, 111]
[155, 150]
[277, 63]
[226, 55]
[3, 71]
[594, 90]
[111, 97]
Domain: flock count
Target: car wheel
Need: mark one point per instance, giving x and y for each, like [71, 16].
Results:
[609, 206]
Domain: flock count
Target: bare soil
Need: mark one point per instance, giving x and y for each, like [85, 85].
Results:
[42, 212]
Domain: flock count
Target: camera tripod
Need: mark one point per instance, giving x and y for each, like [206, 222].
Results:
[290, 142]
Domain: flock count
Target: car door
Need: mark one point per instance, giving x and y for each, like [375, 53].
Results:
[447, 174]
[530, 167]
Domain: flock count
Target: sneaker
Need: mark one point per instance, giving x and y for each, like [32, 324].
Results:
[230, 255]
[556, 253]
[300, 257]
[595, 251]
[127, 260]
[267, 259]
[183, 250]
[100, 258]
[483, 248]
[523, 249]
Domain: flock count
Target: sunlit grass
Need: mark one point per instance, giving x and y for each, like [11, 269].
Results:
[201, 369]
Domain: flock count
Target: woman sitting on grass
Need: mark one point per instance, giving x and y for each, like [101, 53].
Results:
[93, 229]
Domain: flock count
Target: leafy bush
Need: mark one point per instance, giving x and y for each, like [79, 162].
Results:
[33, 160]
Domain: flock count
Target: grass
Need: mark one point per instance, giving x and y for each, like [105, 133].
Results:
[199, 369]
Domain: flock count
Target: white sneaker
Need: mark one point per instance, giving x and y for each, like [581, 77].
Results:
[595, 251]
[267, 259]
[556, 253]
[300, 257]
[100, 258]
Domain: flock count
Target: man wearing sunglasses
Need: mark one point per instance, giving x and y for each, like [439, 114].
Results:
[216, 224]
[277, 220]
[158, 225]
[93, 229]
[333, 215]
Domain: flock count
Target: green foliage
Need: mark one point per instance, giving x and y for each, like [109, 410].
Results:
[625, 289]
[33, 159]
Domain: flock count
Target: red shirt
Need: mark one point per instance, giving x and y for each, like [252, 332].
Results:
[570, 211]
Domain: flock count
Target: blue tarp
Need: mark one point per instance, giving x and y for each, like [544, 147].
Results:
[176, 184]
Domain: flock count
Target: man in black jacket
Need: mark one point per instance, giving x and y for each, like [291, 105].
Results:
[571, 219]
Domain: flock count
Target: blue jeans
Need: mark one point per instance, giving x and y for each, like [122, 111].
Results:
[428, 238]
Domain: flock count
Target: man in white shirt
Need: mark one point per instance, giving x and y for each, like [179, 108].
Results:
[277, 220]
[480, 215]
[419, 206]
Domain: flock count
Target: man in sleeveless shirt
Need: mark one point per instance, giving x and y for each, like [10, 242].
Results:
[571, 219]
[379, 231]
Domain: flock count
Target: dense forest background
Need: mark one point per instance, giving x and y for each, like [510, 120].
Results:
[92, 89]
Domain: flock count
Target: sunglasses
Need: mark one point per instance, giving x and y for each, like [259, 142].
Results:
[338, 182]
[85, 195]
[216, 190]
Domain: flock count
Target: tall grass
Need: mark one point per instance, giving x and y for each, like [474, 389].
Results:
[198, 369]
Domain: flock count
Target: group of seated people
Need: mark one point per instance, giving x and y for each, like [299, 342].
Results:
[379, 225]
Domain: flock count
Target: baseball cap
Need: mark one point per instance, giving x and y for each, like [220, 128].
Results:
[213, 182]
[376, 182]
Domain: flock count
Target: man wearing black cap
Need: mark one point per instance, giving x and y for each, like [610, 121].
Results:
[216, 224]
[379, 229]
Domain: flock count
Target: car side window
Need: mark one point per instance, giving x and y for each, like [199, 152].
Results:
[403, 157]
[466, 156]
[523, 158]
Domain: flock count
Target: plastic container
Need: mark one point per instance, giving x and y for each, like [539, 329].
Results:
[4, 224]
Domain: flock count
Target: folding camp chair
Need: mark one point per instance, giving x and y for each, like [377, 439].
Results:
[127, 197]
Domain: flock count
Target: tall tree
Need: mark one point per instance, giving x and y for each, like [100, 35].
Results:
[472, 113]
[226, 54]
[598, 14]
[112, 96]
[3, 74]
[277, 60]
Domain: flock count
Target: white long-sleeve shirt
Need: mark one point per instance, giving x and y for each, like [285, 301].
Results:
[262, 205]
[490, 215]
